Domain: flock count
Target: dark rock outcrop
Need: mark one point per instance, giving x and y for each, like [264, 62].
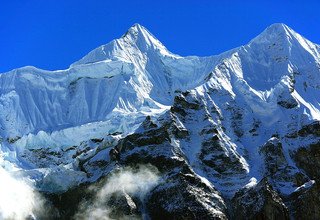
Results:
[308, 158]
[259, 202]
[185, 196]
[305, 204]
[122, 205]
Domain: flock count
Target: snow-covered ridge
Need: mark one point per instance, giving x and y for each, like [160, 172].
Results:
[133, 74]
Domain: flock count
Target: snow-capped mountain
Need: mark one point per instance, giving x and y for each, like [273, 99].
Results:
[235, 134]
[133, 74]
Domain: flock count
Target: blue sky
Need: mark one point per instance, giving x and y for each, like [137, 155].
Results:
[52, 34]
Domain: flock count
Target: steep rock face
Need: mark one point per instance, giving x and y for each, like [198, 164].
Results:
[307, 158]
[305, 203]
[308, 154]
[208, 148]
[277, 168]
[185, 196]
[259, 202]
[181, 194]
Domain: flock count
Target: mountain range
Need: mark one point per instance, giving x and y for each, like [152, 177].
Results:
[133, 131]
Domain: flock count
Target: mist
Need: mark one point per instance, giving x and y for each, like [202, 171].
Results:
[126, 182]
[17, 198]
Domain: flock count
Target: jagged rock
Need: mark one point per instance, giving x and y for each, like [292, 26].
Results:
[276, 166]
[306, 130]
[308, 158]
[114, 154]
[122, 205]
[12, 140]
[273, 156]
[255, 126]
[97, 140]
[313, 128]
[148, 137]
[259, 202]
[287, 101]
[181, 194]
[181, 104]
[306, 202]
[148, 123]
[237, 117]
[185, 196]
[215, 154]
[152, 144]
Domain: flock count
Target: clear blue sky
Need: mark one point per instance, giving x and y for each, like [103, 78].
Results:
[52, 34]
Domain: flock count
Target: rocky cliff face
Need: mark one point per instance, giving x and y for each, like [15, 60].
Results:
[139, 132]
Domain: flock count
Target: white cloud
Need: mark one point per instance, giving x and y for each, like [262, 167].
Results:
[17, 199]
[134, 182]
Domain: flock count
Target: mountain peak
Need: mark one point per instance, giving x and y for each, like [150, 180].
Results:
[277, 31]
[137, 27]
[142, 38]
[137, 37]
[137, 30]
[278, 27]
[285, 40]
